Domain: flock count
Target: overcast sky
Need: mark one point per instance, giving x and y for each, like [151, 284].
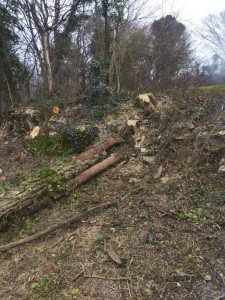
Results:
[192, 11]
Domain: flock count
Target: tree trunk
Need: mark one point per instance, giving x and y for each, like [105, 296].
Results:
[105, 8]
[94, 171]
[105, 145]
[9, 91]
[37, 188]
[44, 39]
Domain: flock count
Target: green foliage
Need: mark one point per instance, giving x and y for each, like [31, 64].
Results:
[170, 50]
[74, 291]
[45, 287]
[80, 137]
[12, 72]
[100, 98]
[99, 239]
[195, 215]
[50, 145]
[57, 182]
[97, 92]
[28, 226]
[213, 90]
[148, 292]
[5, 187]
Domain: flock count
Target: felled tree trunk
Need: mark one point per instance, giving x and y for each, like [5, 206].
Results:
[98, 149]
[77, 181]
[94, 171]
[37, 189]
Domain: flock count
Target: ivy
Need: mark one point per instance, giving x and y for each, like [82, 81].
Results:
[97, 92]
[81, 136]
[54, 145]
[57, 182]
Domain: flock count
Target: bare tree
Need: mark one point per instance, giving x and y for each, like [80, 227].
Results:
[124, 24]
[213, 32]
[44, 18]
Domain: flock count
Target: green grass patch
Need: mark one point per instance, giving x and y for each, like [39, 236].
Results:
[213, 90]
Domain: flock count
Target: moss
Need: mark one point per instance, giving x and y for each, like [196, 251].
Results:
[22, 121]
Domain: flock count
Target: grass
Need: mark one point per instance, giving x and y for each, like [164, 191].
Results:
[213, 90]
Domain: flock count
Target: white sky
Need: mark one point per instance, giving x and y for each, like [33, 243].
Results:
[192, 11]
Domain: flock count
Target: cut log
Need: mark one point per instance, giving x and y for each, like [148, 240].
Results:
[94, 171]
[147, 101]
[77, 181]
[105, 145]
[36, 189]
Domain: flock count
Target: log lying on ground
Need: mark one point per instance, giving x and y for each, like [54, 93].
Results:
[105, 145]
[94, 171]
[37, 188]
[79, 180]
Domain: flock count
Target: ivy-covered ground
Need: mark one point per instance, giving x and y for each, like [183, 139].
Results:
[168, 233]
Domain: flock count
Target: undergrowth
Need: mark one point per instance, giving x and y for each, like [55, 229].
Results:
[55, 145]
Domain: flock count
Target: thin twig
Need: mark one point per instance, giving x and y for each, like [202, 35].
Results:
[107, 278]
[78, 276]
[130, 278]
[219, 252]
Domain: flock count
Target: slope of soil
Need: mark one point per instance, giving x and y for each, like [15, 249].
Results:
[168, 234]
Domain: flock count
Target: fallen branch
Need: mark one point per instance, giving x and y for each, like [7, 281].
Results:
[78, 276]
[37, 188]
[3, 129]
[66, 222]
[171, 138]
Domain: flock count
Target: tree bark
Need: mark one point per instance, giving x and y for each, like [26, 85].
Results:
[94, 171]
[9, 91]
[44, 39]
[37, 188]
[105, 145]
[43, 31]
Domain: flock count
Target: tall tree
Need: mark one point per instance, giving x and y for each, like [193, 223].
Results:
[11, 69]
[170, 50]
[45, 21]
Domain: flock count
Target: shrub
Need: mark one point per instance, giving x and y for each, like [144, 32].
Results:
[50, 145]
[81, 136]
